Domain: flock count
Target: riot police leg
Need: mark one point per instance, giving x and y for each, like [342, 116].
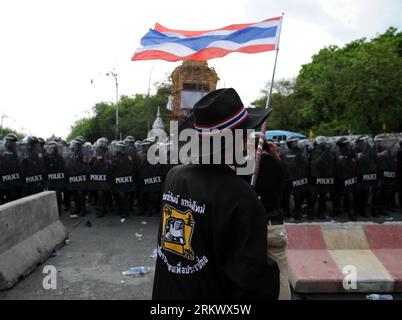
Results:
[348, 205]
[59, 200]
[392, 199]
[155, 202]
[147, 202]
[84, 194]
[313, 201]
[142, 201]
[2, 197]
[93, 197]
[102, 199]
[375, 201]
[130, 200]
[286, 202]
[384, 196]
[135, 198]
[365, 194]
[158, 201]
[66, 200]
[121, 201]
[336, 203]
[12, 194]
[298, 204]
[361, 199]
[78, 198]
[322, 205]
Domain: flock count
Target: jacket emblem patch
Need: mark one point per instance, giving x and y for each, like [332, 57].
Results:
[177, 230]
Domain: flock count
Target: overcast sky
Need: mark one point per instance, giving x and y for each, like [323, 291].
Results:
[51, 49]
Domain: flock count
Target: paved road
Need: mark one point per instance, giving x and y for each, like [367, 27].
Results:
[90, 266]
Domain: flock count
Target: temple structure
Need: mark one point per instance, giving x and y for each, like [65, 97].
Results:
[190, 82]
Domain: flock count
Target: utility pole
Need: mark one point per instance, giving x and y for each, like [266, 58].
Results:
[114, 75]
[2, 120]
[148, 97]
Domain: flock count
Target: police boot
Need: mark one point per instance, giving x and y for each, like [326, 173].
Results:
[374, 212]
[352, 215]
[297, 215]
[100, 213]
[321, 212]
[310, 214]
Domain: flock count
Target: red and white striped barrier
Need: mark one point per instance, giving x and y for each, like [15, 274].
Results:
[318, 254]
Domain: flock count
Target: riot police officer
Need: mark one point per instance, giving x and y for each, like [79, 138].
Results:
[131, 149]
[99, 180]
[10, 175]
[367, 178]
[32, 166]
[296, 162]
[322, 174]
[387, 167]
[399, 174]
[76, 177]
[55, 170]
[122, 176]
[346, 177]
[151, 179]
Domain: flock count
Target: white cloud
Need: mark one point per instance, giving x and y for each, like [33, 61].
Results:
[52, 49]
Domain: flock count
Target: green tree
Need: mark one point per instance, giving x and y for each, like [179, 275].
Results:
[358, 86]
[4, 131]
[133, 116]
[284, 116]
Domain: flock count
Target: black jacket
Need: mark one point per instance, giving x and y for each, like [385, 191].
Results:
[212, 241]
[271, 183]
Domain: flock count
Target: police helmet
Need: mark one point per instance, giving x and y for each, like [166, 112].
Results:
[342, 142]
[11, 137]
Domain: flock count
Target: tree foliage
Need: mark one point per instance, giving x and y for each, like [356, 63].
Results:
[133, 116]
[4, 131]
[357, 87]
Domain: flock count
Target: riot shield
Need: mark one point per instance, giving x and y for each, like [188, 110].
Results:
[150, 176]
[99, 177]
[366, 162]
[54, 165]
[32, 167]
[122, 169]
[75, 167]
[10, 175]
[345, 166]
[297, 166]
[387, 148]
[322, 166]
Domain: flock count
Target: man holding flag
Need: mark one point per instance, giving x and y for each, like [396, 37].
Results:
[212, 240]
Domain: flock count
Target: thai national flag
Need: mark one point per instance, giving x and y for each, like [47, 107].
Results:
[174, 45]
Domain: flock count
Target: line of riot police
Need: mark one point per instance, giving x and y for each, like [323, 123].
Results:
[112, 176]
[362, 175]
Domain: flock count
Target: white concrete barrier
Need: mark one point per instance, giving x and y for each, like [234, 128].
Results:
[30, 230]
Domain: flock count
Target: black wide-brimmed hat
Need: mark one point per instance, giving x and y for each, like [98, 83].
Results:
[222, 110]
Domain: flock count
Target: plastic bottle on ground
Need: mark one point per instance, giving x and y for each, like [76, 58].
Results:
[375, 296]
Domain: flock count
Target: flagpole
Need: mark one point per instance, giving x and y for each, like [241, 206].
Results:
[148, 96]
[264, 125]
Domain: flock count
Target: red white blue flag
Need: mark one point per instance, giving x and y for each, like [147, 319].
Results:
[173, 45]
